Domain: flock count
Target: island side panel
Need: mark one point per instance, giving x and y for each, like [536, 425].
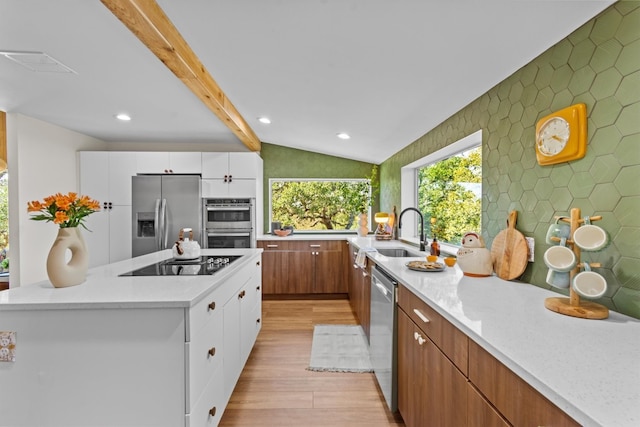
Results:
[94, 367]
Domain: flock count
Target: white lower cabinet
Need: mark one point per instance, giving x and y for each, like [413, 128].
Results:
[161, 367]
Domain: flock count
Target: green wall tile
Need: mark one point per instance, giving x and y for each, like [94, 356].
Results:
[599, 65]
[628, 180]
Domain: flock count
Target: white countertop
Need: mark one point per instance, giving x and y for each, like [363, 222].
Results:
[308, 236]
[588, 368]
[104, 289]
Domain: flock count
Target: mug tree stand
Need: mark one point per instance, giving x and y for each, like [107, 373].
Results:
[572, 306]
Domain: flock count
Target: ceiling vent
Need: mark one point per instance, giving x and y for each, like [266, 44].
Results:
[37, 61]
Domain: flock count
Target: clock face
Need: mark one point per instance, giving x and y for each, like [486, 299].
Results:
[553, 136]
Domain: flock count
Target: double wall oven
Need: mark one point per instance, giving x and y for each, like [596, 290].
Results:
[229, 223]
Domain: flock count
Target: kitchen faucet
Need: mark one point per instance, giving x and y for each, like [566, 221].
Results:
[422, 236]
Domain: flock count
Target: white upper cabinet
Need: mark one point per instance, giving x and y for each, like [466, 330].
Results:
[231, 166]
[168, 162]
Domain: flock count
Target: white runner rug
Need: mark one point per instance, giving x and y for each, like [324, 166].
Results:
[339, 348]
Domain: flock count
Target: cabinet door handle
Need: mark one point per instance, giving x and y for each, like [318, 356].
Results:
[211, 352]
[418, 337]
[257, 320]
[212, 306]
[258, 263]
[225, 178]
[257, 288]
[212, 411]
[230, 178]
[315, 246]
[272, 246]
[421, 316]
[242, 294]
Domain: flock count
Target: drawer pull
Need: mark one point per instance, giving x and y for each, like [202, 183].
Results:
[315, 246]
[272, 246]
[212, 305]
[212, 352]
[421, 316]
[212, 411]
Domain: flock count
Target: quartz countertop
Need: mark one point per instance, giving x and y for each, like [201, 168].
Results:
[588, 368]
[308, 236]
[105, 289]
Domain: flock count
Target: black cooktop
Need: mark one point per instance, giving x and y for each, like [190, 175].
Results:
[202, 266]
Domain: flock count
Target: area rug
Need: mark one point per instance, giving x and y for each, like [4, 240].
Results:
[339, 348]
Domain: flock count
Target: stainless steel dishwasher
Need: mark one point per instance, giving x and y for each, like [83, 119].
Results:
[383, 341]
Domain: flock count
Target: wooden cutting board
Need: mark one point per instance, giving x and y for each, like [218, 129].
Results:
[509, 251]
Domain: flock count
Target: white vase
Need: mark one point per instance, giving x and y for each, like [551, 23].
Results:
[363, 230]
[62, 273]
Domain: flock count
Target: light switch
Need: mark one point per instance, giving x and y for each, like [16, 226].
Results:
[7, 346]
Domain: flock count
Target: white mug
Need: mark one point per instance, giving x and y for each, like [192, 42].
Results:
[560, 258]
[558, 279]
[589, 284]
[590, 237]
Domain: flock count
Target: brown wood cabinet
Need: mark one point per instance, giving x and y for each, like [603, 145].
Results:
[360, 290]
[303, 267]
[446, 379]
[431, 389]
[520, 403]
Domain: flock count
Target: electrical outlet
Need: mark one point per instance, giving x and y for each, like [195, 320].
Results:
[531, 244]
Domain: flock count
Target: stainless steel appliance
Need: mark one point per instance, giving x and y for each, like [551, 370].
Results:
[161, 206]
[383, 341]
[229, 223]
[204, 265]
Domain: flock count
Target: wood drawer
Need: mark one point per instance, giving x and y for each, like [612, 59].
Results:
[275, 245]
[480, 413]
[520, 403]
[317, 245]
[451, 341]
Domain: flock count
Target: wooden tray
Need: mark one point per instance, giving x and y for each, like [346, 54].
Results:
[425, 266]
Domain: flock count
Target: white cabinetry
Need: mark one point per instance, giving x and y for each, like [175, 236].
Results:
[231, 174]
[168, 162]
[161, 367]
[106, 177]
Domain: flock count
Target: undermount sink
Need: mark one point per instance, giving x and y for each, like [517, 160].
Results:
[398, 253]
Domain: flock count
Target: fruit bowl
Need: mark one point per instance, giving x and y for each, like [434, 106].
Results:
[282, 232]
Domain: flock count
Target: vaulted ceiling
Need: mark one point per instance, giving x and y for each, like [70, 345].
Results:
[383, 71]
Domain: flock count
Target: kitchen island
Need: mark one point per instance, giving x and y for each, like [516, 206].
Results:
[143, 351]
[587, 368]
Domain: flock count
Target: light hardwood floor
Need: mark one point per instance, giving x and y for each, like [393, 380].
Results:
[275, 389]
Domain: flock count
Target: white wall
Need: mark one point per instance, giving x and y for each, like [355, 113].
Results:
[42, 161]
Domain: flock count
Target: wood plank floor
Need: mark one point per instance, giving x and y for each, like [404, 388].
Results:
[275, 389]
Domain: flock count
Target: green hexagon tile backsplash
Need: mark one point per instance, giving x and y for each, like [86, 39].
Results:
[599, 65]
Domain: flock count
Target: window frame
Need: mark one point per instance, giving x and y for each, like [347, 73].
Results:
[270, 218]
[409, 184]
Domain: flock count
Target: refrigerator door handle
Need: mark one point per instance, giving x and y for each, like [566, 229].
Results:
[156, 224]
[163, 219]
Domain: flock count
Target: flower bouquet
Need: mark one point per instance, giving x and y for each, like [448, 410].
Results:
[66, 210]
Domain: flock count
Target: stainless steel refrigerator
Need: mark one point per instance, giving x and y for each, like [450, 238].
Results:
[161, 206]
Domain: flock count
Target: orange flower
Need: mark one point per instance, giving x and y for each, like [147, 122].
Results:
[34, 206]
[60, 217]
[66, 210]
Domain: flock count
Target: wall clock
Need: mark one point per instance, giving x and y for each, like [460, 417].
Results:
[562, 136]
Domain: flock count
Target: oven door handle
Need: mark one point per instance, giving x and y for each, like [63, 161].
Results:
[218, 233]
[228, 208]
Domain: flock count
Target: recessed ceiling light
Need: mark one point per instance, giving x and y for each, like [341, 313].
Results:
[264, 120]
[343, 135]
[123, 117]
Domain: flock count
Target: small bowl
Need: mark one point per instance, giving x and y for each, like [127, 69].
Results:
[282, 232]
[450, 261]
[432, 258]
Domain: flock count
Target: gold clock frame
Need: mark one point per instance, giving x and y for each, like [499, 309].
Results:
[576, 147]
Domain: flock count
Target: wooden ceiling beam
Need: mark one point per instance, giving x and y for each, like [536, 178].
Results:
[150, 24]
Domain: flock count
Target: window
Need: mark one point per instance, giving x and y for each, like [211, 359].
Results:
[446, 186]
[450, 195]
[319, 205]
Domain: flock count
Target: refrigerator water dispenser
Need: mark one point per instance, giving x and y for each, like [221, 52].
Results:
[146, 224]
